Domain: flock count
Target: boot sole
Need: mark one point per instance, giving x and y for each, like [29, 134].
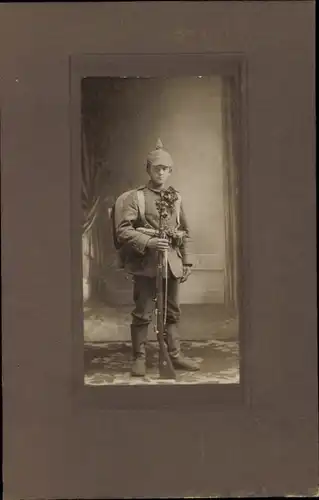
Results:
[184, 369]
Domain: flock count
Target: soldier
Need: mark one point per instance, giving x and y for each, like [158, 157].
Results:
[140, 259]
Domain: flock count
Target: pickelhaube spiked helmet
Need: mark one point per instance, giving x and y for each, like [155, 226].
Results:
[159, 156]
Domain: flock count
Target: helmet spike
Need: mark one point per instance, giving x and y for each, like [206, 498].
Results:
[159, 144]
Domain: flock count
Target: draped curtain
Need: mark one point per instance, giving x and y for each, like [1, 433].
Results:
[230, 111]
[92, 240]
[100, 109]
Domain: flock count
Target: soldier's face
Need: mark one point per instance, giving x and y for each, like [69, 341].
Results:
[159, 174]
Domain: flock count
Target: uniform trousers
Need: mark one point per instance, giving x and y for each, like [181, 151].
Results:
[144, 295]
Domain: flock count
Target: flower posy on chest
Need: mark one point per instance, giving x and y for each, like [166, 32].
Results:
[166, 204]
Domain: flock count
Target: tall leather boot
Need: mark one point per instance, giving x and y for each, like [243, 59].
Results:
[139, 338]
[174, 348]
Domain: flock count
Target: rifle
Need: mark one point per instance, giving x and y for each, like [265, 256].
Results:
[166, 369]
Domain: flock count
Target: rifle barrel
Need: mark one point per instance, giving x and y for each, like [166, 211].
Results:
[166, 368]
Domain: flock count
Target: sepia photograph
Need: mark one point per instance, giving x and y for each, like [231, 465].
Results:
[160, 231]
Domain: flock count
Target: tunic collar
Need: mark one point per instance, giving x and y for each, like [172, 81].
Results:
[155, 190]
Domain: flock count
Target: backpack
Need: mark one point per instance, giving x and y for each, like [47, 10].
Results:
[117, 212]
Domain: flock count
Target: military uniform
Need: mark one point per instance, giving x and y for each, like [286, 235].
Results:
[141, 262]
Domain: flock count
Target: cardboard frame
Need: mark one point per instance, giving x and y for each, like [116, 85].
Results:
[158, 65]
[56, 446]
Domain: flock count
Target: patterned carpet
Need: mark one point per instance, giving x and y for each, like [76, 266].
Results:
[108, 363]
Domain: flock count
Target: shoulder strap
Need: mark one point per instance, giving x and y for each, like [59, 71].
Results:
[141, 203]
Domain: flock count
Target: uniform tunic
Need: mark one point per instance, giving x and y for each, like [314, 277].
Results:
[140, 260]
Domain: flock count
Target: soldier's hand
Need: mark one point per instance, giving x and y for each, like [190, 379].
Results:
[186, 272]
[158, 244]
